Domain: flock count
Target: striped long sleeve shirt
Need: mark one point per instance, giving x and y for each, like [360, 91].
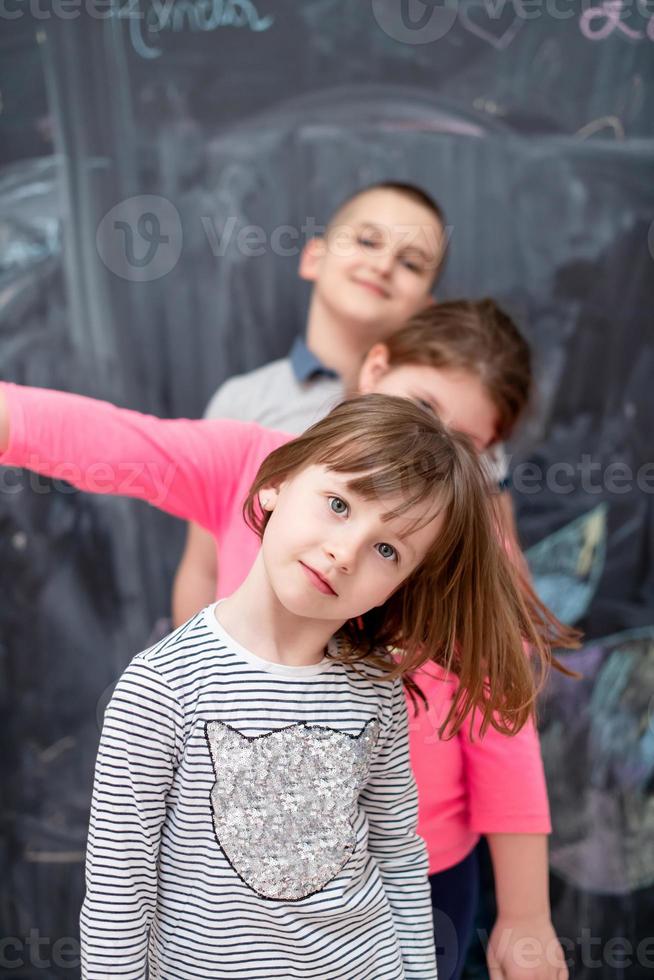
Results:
[252, 821]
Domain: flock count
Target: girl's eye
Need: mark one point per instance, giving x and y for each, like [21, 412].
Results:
[412, 266]
[367, 242]
[337, 505]
[387, 551]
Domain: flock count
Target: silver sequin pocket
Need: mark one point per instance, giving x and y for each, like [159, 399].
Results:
[284, 803]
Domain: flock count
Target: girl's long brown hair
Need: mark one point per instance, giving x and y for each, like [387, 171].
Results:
[463, 606]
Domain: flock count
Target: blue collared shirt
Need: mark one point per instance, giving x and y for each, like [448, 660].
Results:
[305, 364]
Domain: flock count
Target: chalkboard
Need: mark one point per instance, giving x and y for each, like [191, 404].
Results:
[235, 124]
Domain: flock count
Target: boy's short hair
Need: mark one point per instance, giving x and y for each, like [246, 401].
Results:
[413, 193]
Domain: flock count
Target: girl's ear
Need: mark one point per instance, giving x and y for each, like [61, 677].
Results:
[268, 498]
[310, 259]
[373, 369]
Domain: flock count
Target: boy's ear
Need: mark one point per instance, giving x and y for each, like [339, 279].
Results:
[310, 259]
[374, 367]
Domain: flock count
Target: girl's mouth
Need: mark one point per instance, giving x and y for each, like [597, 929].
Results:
[316, 578]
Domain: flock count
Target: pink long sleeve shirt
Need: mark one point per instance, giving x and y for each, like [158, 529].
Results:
[201, 471]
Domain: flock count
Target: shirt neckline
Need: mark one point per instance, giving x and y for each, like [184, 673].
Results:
[305, 364]
[269, 666]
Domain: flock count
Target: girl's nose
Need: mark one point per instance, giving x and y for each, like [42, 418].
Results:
[342, 554]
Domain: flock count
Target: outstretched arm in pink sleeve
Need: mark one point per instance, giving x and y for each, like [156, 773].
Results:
[188, 468]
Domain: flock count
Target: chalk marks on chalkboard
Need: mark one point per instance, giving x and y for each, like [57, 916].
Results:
[597, 740]
[488, 105]
[489, 22]
[148, 21]
[498, 22]
[391, 108]
[628, 109]
[633, 99]
[566, 566]
[601, 125]
[610, 16]
[547, 64]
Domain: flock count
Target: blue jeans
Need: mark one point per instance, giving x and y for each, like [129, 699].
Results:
[454, 895]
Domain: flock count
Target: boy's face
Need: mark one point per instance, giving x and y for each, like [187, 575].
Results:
[376, 265]
[457, 397]
[328, 553]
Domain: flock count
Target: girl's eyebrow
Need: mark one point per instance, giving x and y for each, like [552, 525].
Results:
[346, 491]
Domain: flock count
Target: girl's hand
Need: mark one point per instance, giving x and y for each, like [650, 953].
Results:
[525, 949]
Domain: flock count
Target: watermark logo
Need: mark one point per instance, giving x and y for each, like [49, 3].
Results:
[415, 21]
[141, 238]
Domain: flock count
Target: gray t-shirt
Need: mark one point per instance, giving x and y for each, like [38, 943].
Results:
[273, 396]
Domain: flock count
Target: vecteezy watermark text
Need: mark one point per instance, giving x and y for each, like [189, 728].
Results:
[152, 481]
[143, 481]
[39, 951]
[587, 474]
[618, 952]
[498, 22]
[141, 238]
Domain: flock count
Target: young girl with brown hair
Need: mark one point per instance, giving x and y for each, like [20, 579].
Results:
[254, 809]
[468, 784]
